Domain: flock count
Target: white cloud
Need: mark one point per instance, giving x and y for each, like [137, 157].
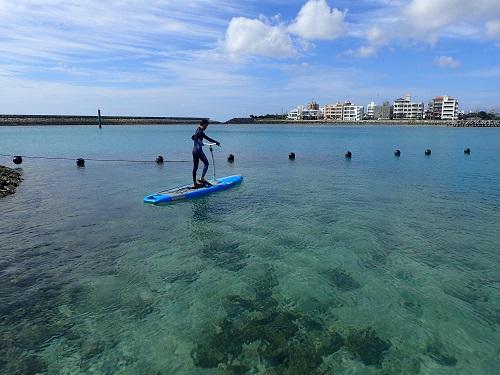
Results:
[447, 62]
[493, 29]
[363, 51]
[60, 30]
[431, 16]
[316, 20]
[246, 36]
[377, 36]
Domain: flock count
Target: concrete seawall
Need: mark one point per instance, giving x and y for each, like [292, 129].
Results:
[458, 123]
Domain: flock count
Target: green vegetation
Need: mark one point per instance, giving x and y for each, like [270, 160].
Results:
[483, 115]
[268, 117]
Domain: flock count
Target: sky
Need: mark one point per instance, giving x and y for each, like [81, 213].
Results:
[224, 59]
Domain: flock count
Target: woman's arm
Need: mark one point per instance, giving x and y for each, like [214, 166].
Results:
[210, 139]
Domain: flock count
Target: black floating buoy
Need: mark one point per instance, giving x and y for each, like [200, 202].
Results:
[428, 152]
[80, 162]
[467, 151]
[159, 159]
[17, 160]
[397, 153]
[230, 158]
[348, 155]
[291, 156]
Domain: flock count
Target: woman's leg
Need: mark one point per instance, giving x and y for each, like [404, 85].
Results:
[196, 161]
[204, 159]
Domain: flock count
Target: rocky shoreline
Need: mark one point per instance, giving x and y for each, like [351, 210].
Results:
[9, 181]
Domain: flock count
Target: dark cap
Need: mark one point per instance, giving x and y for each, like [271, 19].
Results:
[204, 122]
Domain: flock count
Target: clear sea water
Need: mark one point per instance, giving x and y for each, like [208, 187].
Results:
[321, 265]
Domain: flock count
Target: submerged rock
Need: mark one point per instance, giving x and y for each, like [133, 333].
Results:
[9, 181]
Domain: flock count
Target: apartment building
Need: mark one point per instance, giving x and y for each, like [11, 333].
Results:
[370, 110]
[383, 112]
[405, 109]
[353, 112]
[305, 113]
[443, 108]
[334, 111]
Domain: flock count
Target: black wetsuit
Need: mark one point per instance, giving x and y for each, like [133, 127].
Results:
[198, 153]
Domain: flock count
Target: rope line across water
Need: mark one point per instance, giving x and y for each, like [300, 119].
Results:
[99, 160]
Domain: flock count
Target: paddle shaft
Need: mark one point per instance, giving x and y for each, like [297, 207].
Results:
[213, 161]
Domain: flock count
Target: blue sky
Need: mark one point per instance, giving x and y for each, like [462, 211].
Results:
[223, 59]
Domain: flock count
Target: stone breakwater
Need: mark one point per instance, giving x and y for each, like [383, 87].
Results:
[37, 120]
[476, 124]
[9, 181]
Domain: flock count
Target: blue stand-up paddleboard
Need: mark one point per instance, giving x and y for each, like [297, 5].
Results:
[187, 192]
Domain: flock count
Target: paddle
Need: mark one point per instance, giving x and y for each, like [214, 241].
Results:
[212, 153]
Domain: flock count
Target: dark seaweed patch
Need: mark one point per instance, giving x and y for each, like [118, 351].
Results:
[182, 276]
[375, 260]
[225, 254]
[436, 351]
[236, 305]
[91, 349]
[29, 323]
[478, 300]
[410, 303]
[367, 346]
[404, 275]
[15, 361]
[288, 342]
[293, 242]
[222, 348]
[341, 279]
[140, 307]
[311, 324]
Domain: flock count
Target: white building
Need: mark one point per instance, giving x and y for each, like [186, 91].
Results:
[405, 109]
[303, 113]
[353, 112]
[295, 114]
[443, 108]
[370, 110]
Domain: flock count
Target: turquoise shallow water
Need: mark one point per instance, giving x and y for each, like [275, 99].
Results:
[376, 265]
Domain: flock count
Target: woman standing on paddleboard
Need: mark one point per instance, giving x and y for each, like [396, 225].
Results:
[198, 153]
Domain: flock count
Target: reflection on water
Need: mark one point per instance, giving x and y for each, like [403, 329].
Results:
[376, 266]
